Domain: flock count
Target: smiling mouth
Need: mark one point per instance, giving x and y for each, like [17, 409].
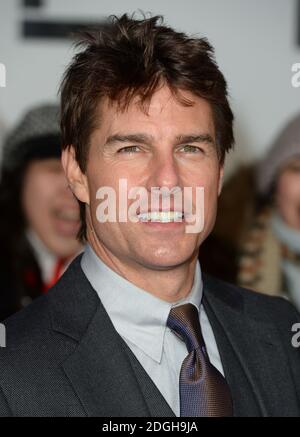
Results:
[67, 215]
[161, 216]
[67, 220]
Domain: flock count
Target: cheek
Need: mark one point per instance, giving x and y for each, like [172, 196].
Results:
[109, 180]
[99, 174]
[209, 179]
[288, 188]
[210, 184]
[39, 193]
[210, 202]
[295, 187]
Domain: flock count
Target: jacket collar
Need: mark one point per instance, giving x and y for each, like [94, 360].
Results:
[105, 375]
[110, 382]
[241, 332]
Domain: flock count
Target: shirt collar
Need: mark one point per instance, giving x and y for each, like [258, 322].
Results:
[45, 258]
[136, 314]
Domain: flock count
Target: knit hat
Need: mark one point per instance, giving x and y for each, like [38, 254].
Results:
[37, 136]
[285, 148]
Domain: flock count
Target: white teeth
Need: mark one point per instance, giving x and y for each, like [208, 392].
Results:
[163, 216]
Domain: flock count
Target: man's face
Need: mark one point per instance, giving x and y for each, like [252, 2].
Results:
[50, 208]
[154, 149]
[288, 194]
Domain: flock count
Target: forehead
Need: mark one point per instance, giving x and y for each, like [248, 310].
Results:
[165, 113]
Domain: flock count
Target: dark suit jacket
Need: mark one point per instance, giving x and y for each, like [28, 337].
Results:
[64, 357]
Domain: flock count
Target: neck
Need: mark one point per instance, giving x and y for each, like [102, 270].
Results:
[169, 284]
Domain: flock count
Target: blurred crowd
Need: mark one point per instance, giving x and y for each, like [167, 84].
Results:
[256, 240]
[39, 218]
[255, 243]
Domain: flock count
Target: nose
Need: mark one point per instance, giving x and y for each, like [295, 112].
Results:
[164, 171]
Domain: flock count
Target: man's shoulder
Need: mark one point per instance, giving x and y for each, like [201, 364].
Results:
[28, 323]
[28, 346]
[255, 304]
[69, 304]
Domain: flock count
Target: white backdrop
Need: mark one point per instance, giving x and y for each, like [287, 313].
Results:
[255, 42]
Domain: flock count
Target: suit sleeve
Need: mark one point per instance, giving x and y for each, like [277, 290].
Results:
[5, 411]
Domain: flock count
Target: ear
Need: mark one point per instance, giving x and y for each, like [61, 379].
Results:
[221, 174]
[76, 179]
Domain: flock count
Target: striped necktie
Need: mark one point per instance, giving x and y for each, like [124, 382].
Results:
[203, 390]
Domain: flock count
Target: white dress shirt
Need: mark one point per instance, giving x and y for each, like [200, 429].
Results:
[45, 258]
[140, 319]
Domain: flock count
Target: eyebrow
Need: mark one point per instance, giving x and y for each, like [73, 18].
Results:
[130, 138]
[149, 139]
[197, 138]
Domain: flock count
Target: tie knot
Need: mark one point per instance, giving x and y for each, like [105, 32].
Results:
[184, 321]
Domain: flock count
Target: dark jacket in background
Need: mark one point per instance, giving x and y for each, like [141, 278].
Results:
[21, 280]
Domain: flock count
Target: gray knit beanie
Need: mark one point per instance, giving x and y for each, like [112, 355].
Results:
[37, 136]
[285, 147]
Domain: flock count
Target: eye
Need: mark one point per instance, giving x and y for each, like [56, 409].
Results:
[129, 149]
[295, 168]
[191, 149]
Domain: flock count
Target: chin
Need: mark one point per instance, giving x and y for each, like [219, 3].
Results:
[166, 260]
[62, 249]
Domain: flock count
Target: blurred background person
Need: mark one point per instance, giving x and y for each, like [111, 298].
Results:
[39, 217]
[2, 135]
[220, 252]
[270, 253]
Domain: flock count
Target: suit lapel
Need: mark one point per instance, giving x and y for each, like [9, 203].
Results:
[156, 403]
[109, 380]
[244, 401]
[101, 374]
[104, 373]
[251, 354]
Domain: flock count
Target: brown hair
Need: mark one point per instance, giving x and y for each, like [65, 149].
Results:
[129, 58]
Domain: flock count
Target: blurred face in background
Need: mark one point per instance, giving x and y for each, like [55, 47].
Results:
[50, 208]
[288, 194]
